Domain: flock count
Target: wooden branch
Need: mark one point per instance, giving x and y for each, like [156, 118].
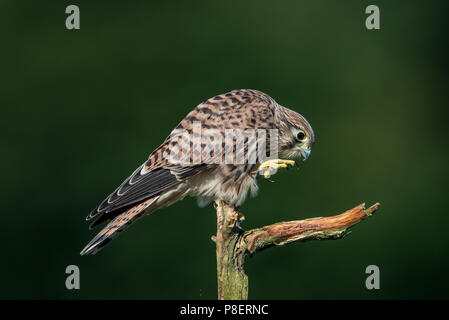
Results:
[233, 243]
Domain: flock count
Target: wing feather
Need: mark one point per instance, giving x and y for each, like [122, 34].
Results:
[143, 186]
[116, 226]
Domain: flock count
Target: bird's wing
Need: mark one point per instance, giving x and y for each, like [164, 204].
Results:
[141, 185]
[238, 109]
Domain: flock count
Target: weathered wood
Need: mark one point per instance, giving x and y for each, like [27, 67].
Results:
[233, 243]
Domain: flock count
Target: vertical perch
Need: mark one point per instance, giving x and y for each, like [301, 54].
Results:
[232, 280]
[233, 243]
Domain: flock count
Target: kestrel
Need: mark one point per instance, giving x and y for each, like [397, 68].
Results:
[211, 155]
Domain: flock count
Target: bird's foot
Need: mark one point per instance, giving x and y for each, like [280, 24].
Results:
[268, 168]
[233, 219]
[240, 216]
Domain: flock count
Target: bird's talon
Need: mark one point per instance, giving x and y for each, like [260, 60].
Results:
[270, 166]
[240, 216]
[266, 174]
[233, 218]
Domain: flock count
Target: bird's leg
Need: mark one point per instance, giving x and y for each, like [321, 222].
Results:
[269, 167]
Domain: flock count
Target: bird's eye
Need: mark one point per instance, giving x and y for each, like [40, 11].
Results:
[300, 136]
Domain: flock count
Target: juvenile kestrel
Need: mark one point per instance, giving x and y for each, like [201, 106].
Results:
[202, 157]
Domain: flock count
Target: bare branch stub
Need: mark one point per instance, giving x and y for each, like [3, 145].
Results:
[320, 228]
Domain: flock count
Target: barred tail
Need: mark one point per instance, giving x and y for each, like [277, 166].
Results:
[116, 226]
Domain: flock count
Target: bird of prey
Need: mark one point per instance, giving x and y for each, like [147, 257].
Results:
[180, 166]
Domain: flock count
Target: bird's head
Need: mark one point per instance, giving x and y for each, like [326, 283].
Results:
[296, 136]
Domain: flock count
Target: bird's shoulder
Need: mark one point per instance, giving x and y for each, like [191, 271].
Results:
[237, 109]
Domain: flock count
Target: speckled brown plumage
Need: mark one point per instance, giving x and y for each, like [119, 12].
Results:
[180, 166]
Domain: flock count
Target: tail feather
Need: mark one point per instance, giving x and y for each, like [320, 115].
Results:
[116, 226]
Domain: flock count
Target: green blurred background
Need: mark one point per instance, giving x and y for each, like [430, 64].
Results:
[82, 109]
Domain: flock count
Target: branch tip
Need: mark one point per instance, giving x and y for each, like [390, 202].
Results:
[371, 210]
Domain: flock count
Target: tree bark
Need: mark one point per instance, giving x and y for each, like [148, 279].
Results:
[233, 244]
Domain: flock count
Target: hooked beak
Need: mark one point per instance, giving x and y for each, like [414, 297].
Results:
[305, 152]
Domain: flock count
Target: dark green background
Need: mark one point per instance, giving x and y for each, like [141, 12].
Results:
[80, 110]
